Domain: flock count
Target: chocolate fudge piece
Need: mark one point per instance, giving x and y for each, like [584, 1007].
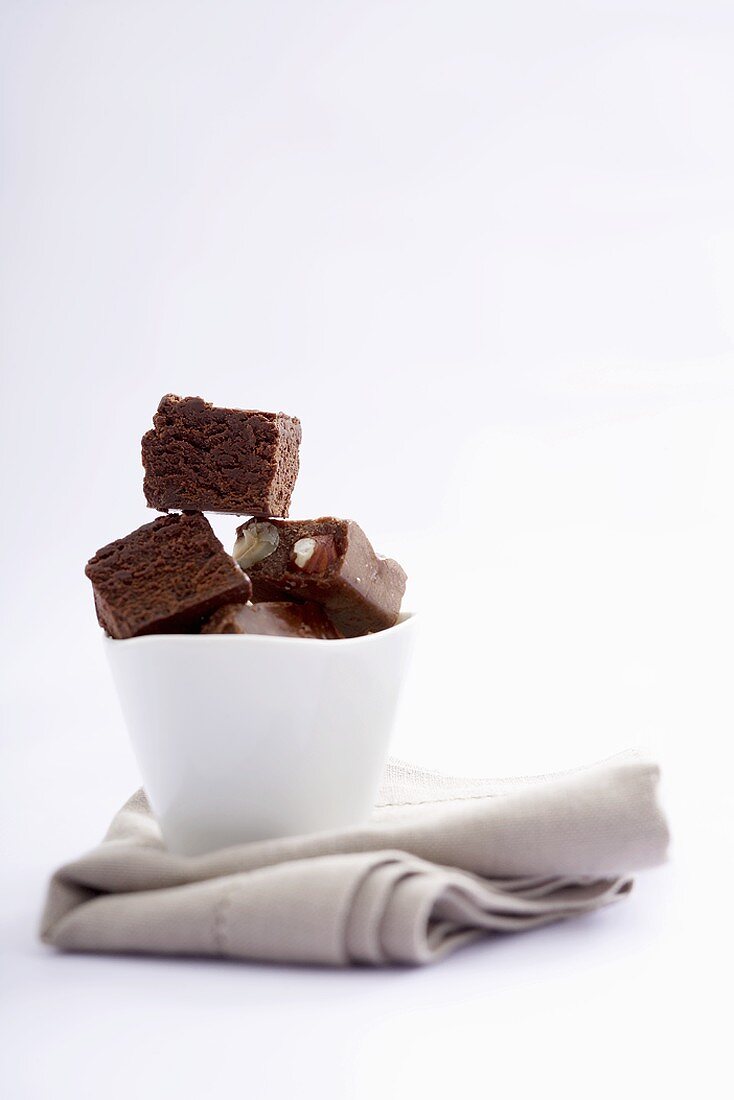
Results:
[284, 619]
[201, 458]
[329, 561]
[164, 578]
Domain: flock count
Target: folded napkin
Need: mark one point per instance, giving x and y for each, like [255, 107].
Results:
[442, 861]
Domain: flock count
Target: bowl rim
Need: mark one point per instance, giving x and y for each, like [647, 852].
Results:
[405, 618]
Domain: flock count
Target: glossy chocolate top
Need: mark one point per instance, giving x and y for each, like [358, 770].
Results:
[281, 619]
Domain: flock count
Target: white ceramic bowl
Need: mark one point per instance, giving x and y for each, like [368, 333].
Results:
[242, 737]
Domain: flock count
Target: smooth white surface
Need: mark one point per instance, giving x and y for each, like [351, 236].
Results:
[486, 253]
[246, 737]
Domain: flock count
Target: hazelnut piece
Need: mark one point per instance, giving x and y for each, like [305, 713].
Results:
[314, 555]
[255, 542]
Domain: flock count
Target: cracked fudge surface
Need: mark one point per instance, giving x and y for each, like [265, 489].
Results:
[327, 560]
[283, 619]
[198, 457]
[164, 578]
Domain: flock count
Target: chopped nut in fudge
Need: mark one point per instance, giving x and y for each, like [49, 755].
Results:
[329, 561]
[164, 578]
[283, 619]
[201, 458]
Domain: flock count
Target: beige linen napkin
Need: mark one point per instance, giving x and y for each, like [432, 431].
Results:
[441, 862]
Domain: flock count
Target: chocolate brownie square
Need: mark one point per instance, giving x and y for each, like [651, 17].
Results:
[164, 578]
[198, 457]
[327, 560]
[283, 619]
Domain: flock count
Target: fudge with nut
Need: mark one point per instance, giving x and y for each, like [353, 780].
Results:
[164, 578]
[282, 619]
[329, 561]
[198, 457]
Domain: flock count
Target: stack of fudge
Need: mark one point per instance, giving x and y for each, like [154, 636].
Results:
[316, 578]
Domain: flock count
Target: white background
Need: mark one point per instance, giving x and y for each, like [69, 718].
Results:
[486, 253]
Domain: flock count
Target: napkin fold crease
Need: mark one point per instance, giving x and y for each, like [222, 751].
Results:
[442, 861]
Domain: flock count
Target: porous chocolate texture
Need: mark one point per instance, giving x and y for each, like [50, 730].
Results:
[283, 619]
[361, 591]
[164, 578]
[198, 457]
